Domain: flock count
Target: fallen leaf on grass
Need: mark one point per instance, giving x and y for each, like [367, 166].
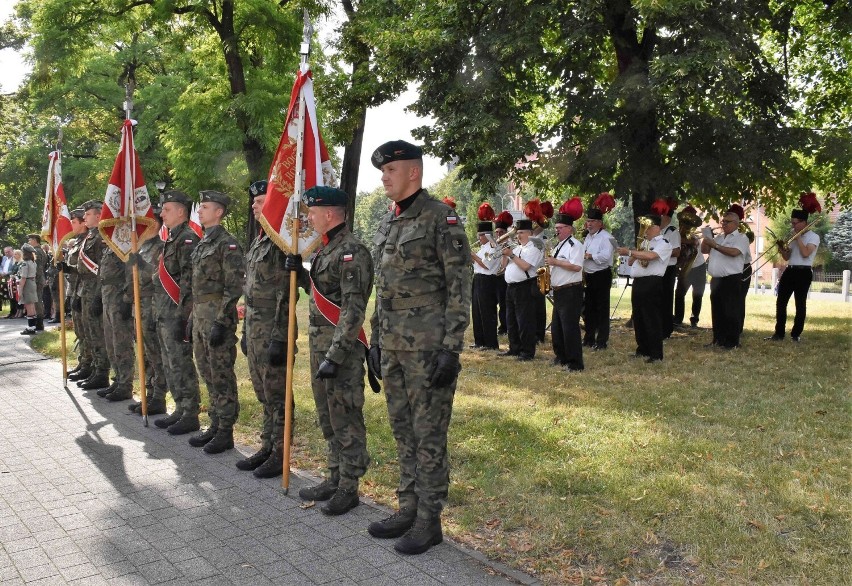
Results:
[756, 524]
[762, 565]
[493, 523]
[623, 581]
[307, 505]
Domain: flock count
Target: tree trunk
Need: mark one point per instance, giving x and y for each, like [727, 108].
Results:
[351, 164]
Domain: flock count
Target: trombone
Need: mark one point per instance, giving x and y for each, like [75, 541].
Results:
[781, 244]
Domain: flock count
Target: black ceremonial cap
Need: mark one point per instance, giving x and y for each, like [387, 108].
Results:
[799, 215]
[258, 187]
[395, 150]
[484, 227]
[175, 196]
[523, 224]
[216, 197]
[92, 204]
[321, 195]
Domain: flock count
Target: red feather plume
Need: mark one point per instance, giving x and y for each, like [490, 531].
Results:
[738, 210]
[573, 207]
[604, 202]
[486, 212]
[450, 202]
[532, 210]
[809, 202]
[660, 207]
[505, 218]
[547, 209]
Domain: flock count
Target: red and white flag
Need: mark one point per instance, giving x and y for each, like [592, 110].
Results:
[126, 202]
[194, 221]
[283, 196]
[56, 219]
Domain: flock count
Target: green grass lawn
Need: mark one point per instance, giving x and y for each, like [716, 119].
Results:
[714, 467]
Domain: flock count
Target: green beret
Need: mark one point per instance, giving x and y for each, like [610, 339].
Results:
[77, 213]
[175, 196]
[321, 195]
[209, 196]
[92, 204]
[395, 150]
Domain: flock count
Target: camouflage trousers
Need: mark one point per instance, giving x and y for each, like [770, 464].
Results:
[216, 365]
[269, 381]
[94, 325]
[419, 416]
[155, 376]
[118, 336]
[340, 410]
[181, 376]
[84, 353]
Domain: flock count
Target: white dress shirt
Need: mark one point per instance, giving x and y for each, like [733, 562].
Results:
[571, 250]
[796, 258]
[600, 246]
[493, 264]
[656, 267]
[721, 265]
[529, 253]
[672, 236]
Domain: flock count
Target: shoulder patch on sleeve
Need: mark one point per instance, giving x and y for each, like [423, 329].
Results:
[348, 257]
[232, 247]
[187, 241]
[452, 220]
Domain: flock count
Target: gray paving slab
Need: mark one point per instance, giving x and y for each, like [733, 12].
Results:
[88, 495]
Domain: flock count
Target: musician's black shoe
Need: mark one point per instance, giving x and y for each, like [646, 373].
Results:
[795, 338]
[589, 344]
[651, 360]
[475, 347]
[599, 347]
[524, 357]
[774, 338]
[508, 353]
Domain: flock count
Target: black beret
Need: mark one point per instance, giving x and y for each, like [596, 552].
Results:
[799, 215]
[209, 195]
[92, 204]
[77, 213]
[258, 187]
[523, 225]
[485, 227]
[321, 195]
[35, 236]
[175, 196]
[395, 150]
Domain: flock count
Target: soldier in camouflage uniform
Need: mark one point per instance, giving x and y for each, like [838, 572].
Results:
[88, 266]
[218, 270]
[422, 310]
[341, 279]
[172, 308]
[264, 342]
[34, 240]
[147, 260]
[69, 266]
[118, 332]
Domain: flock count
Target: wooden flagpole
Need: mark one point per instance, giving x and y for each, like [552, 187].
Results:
[63, 342]
[134, 247]
[305, 50]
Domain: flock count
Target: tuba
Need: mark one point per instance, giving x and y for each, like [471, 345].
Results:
[688, 222]
[641, 242]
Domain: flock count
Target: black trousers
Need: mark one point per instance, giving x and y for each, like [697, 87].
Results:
[540, 314]
[520, 315]
[725, 305]
[484, 307]
[667, 301]
[745, 282]
[696, 280]
[596, 307]
[501, 301]
[565, 326]
[794, 281]
[645, 301]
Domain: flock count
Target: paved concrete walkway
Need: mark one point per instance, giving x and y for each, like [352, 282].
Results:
[90, 496]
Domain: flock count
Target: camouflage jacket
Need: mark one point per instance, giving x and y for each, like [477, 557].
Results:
[71, 259]
[149, 251]
[93, 247]
[342, 271]
[41, 266]
[268, 285]
[218, 272]
[113, 271]
[176, 258]
[423, 279]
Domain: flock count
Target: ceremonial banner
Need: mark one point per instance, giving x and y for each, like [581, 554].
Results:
[126, 204]
[283, 197]
[56, 219]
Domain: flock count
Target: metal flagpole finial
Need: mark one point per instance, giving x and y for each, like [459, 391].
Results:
[128, 99]
[307, 33]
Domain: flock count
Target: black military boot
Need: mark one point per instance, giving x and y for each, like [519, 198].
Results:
[104, 392]
[274, 466]
[80, 374]
[96, 381]
[322, 491]
[255, 460]
[224, 440]
[395, 525]
[343, 501]
[155, 407]
[186, 424]
[418, 539]
[202, 438]
[120, 394]
[165, 422]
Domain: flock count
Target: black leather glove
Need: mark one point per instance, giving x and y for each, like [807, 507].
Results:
[293, 262]
[77, 304]
[97, 306]
[125, 310]
[61, 266]
[277, 353]
[327, 369]
[217, 334]
[445, 369]
[374, 361]
[244, 344]
[134, 258]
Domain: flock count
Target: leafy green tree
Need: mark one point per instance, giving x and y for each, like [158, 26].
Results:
[645, 99]
[369, 209]
[839, 240]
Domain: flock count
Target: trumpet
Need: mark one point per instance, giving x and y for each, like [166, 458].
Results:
[500, 244]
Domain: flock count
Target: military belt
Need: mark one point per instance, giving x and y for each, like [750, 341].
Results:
[261, 303]
[206, 297]
[401, 303]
